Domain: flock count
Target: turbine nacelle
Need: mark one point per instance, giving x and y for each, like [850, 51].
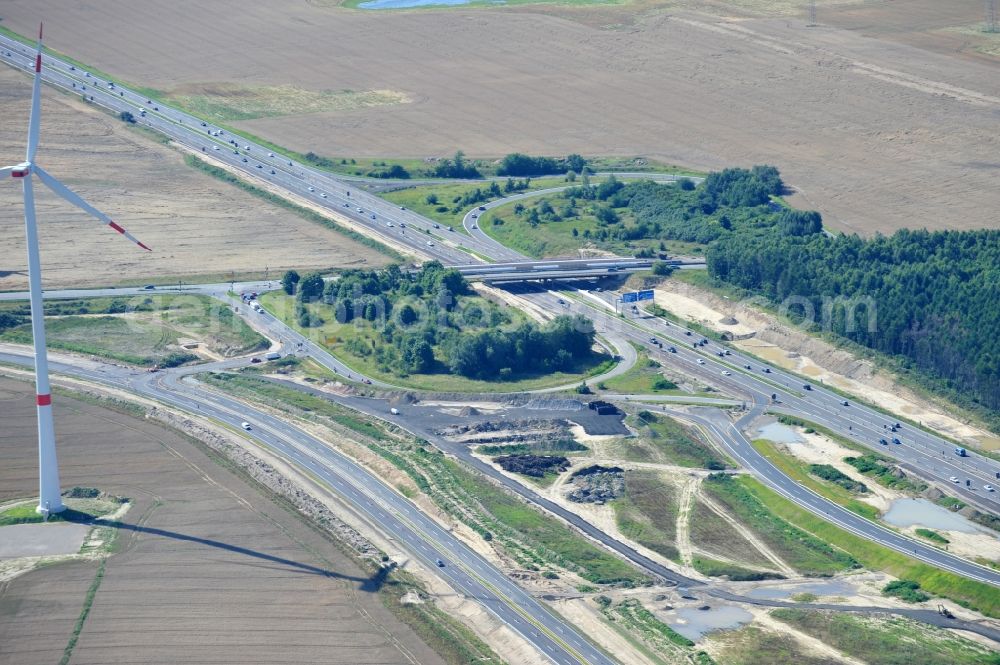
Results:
[20, 170]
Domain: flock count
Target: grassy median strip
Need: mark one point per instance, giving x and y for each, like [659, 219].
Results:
[306, 213]
[968, 593]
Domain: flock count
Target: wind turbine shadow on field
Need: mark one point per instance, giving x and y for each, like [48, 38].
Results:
[366, 582]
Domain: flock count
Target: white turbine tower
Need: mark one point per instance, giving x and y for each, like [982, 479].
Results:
[49, 497]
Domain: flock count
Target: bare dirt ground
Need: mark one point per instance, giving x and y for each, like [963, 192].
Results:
[788, 347]
[209, 569]
[882, 116]
[195, 224]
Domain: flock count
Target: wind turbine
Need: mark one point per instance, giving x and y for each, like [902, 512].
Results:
[49, 497]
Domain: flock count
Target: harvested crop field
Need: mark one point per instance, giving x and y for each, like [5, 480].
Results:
[196, 225]
[877, 127]
[209, 570]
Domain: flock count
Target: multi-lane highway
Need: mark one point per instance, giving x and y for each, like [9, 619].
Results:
[416, 534]
[929, 454]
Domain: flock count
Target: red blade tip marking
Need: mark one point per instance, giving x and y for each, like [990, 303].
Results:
[116, 227]
[38, 63]
[43, 400]
[143, 246]
[40, 26]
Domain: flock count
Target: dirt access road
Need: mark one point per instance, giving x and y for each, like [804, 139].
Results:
[874, 131]
[199, 228]
[209, 571]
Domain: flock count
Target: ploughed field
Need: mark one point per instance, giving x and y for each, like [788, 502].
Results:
[886, 122]
[198, 227]
[208, 570]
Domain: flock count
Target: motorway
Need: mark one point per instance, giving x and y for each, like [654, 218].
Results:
[928, 453]
[405, 524]
[924, 452]
[395, 516]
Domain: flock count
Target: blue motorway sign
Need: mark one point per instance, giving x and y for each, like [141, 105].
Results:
[635, 296]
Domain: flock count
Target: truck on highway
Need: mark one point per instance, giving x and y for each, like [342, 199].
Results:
[273, 355]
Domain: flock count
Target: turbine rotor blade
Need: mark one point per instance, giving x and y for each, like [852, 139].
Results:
[36, 104]
[5, 170]
[71, 196]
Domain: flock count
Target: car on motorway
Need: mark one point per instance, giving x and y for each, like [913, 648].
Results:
[767, 370]
[701, 361]
[312, 189]
[440, 563]
[474, 227]
[270, 154]
[255, 360]
[373, 215]
[726, 372]
[896, 441]
[430, 244]
[483, 208]
[844, 403]
[272, 172]
[244, 159]
[389, 224]
[215, 147]
[953, 479]
[988, 487]
[806, 386]
[360, 210]
[883, 442]
[323, 194]
[204, 124]
[402, 207]
[149, 287]
[260, 166]
[346, 204]
[245, 425]
[687, 332]
[672, 349]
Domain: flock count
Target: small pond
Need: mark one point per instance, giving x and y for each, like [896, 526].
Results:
[921, 512]
[693, 623]
[779, 433]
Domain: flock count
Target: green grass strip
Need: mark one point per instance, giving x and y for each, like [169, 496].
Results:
[798, 471]
[88, 601]
[968, 593]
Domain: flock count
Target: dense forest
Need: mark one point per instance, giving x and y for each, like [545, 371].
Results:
[421, 322]
[932, 299]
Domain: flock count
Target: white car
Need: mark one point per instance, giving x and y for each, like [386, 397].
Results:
[701, 361]
[726, 372]
[360, 210]
[312, 189]
[389, 224]
[270, 154]
[245, 425]
[215, 147]
[988, 488]
[430, 244]
[953, 479]
[323, 194]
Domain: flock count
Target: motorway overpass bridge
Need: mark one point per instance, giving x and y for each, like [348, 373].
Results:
[545, 270]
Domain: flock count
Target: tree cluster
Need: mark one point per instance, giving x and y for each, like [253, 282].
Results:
[456, 167]
[520, 165]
